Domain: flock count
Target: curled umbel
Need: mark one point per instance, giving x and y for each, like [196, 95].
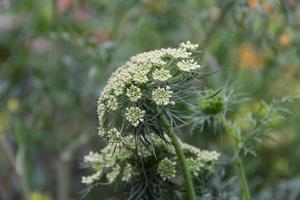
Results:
[139, 156]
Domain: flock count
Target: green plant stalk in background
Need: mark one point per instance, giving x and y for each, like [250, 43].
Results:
[181, 159]
[18, 167]
[236, 138]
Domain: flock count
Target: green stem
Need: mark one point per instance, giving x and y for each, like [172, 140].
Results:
[181, 158]
[19, 170]
[240, 167]
[238, 161]
[64, 176]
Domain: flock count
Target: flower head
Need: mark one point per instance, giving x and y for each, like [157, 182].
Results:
[209, 156]
[128, 173]
[194, 165]
[146, 83]
[189, 46]
[112, 103]
[166, 169]
[134, 93]
[115, 136]
[112, 176]
[162, 96]
[135, 115]
[91, 179]
[161, 75]
[188, 65]
[212, 106]
[121, 166]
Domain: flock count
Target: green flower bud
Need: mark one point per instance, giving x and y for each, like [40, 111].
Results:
[212, 106]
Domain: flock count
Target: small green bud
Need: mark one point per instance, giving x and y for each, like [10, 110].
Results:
[260, 109]
[212, 106]
[275, 121]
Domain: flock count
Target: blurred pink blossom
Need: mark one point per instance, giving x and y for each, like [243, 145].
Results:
[82, 14]
[63, 5]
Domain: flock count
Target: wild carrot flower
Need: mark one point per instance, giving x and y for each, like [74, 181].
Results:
[187, 65]
[161, 75]
[135, 115]
[137, 112]
[121, 165]
[149, 83]
[162, 96]
[166, 169]
[134, 93]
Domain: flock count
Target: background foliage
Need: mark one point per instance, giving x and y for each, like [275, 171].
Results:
[55, 57]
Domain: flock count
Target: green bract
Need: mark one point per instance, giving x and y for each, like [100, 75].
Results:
[212, 106]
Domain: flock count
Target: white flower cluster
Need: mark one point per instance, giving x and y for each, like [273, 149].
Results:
[194, 166]
[91, 179]
[161, 75]
[188, 45]
[147, 77]
[113, 175]
[166, 169]
[188, 65]
[162, 96]
[128, 173]
[96, 162]
[204, 155]
[180, 53]
[92, 157]
[149, 82]
[112, 103]
[115, 136]
[209, 156]
[120, 164]
[135, 115]
[134, 93]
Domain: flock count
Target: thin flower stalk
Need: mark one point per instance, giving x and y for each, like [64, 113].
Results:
[181, 159]
[238, 161]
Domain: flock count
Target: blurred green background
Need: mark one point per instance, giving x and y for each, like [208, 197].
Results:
[56, 55]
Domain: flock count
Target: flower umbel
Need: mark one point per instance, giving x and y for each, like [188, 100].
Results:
[121, 166]
[128, 173]
[135, 115]
[194, 166]
[161, 75]
[91, 179]
[188, 65]
[162, 96]
[112, 103]
[134, 93]
[188, 45]
[139, 97]
[166, 169]
[112, 176]
[146, 81]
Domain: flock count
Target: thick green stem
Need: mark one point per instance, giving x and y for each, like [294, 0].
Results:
[238, 161]
[181, 159]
